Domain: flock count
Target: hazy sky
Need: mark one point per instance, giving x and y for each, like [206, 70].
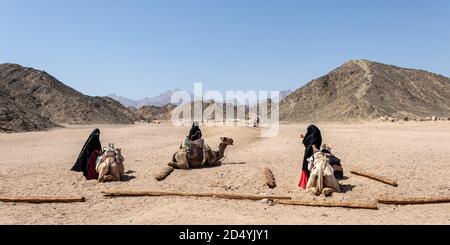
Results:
[142, 48]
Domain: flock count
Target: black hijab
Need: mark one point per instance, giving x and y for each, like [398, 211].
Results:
[312, 137]
[195, 133]
[92, 144]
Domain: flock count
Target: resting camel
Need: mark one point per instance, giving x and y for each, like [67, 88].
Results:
[321, 179]
[205, 157]
[111, 166]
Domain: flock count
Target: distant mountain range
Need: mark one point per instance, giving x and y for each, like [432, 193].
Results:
[159, 100]
[165, 99]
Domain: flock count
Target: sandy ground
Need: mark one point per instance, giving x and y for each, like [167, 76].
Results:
[38, 163]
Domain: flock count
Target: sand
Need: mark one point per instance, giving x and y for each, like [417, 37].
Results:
[414, 153]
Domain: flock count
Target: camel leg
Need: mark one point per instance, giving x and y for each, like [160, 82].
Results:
[180, 160]
[312, 184]
[327, 191]
[311, 190]
[331, 182]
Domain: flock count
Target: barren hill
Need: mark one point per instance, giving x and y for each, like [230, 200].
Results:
[15, 118]
[155, 113]
[34, 100]
[362, 89]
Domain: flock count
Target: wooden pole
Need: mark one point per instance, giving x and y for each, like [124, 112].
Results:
[375, 177]
[319, 203]
[192, 194]
[413, 200]
[269, 178]
[42, 199]
[164, 173]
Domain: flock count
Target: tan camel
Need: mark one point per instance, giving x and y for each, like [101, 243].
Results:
[111, 166]
[321, 179]
[205, 157]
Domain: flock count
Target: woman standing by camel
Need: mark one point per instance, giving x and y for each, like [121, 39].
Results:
[312, 142]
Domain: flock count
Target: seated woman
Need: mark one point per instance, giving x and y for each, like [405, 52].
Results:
[88, 156]
[194, 153]
[312, 142]
[194, 143]
[195, 133]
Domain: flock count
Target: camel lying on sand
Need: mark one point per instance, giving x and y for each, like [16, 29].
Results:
[321, 179]
[111, 167]
[183, 159]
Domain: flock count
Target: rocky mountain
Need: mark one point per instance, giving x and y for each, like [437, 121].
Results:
[158, 101]
[361, 89]
[155, 113]
[34, 100]
[15, 118]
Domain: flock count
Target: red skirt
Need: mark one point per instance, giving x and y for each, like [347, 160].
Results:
[91, 172]
[303, 180]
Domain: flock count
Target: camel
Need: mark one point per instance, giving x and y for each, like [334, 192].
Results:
[184, 159]
[321, 179]
[110, 167]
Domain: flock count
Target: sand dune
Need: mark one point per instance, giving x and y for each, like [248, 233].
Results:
[38, 163]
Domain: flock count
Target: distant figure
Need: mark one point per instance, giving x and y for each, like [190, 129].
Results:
[88, 156]
[312, 142]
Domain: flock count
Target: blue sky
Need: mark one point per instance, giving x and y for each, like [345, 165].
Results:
[142, 48]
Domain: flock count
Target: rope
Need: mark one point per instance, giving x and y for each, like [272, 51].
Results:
[224, 154]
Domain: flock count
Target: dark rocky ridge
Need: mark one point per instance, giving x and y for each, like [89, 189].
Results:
[34, 100]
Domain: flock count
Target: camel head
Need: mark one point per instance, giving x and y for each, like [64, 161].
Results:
[226, 140]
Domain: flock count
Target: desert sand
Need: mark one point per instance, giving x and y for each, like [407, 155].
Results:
[414, 153]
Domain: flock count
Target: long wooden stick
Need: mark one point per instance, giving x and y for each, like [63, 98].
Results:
[42, 199]
[193, 194]
[360, 205]
[413, 200]
[375, 177]
[269, 178]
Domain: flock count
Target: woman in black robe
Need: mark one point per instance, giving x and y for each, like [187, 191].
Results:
[312, 142]
[195, 133]
[89, 153]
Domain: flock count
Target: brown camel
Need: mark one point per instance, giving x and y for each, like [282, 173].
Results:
[203, 157]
